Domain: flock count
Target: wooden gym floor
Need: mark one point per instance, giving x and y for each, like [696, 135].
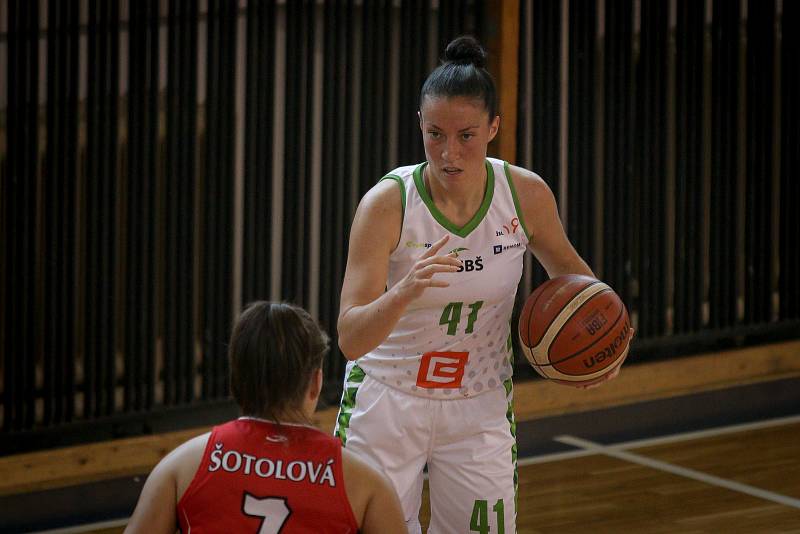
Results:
[704, 444]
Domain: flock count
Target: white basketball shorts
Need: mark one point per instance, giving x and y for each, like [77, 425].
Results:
[469, 446]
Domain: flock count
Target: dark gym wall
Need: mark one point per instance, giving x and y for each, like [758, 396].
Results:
[163, 162]
[667, 131]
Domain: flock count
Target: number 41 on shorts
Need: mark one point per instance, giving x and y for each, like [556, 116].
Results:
[480, 517]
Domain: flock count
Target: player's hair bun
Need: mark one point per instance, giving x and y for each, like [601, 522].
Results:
[465, 50]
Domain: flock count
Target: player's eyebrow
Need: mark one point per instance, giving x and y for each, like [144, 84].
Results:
[461, 130]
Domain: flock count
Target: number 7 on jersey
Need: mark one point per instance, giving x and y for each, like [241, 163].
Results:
[273, 512]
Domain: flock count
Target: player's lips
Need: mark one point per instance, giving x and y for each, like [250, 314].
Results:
[451, 170]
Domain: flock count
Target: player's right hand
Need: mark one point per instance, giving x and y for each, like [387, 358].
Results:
[421, 275]
[610, 376]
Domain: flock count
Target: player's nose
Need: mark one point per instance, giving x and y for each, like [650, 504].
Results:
[450, 152]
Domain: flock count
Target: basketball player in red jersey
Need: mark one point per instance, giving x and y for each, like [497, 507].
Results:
[269, 471]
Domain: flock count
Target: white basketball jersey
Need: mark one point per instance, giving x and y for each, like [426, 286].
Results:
[456, 341]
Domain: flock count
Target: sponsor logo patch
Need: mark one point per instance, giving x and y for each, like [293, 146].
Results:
[498, 249]
[442, 369]
[512, 226]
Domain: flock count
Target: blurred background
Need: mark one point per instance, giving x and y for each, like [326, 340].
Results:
[164, 162]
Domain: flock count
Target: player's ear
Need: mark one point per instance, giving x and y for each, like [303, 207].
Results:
[315, 385]
[494, 126]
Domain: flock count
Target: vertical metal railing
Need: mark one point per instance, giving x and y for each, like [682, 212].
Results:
[618, 182]
[122, 185]
[258, 178]
[689, 194]
[581, 127]
[759, 179]
[649, 160]
[166, 160]
[98, 256]
[337, 156]
[725, 123]
[547, 99]
[215, 217]
[683, 155]
[142, 170]
[178, 188]
[375, 78]
[20, 208]
[789, 287]
[414, 32]
[296, 190]
[59, 197]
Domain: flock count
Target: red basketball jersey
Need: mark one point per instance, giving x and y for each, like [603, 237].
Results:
[260, 477]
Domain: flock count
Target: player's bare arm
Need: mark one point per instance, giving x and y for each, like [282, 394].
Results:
[155, 511]
[548, 241]
[368, 312]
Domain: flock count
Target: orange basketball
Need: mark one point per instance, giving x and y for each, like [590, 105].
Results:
[574, 329]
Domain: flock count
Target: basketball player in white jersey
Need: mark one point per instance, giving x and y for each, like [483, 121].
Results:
[436, 253]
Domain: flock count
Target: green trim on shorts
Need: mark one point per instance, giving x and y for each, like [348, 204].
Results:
[509, 386]
[510, 343]
[352, 381]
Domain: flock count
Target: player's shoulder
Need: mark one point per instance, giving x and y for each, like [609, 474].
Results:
[189, 450]
[391, 188]
[384, 203]
[525, 177]
[387, 194]
[530, 187]
[357, 468]
[183, 462]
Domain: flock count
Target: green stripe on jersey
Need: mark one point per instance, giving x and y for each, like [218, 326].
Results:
[473, 223]
[402, 189]
[517, 205]
[352, 382]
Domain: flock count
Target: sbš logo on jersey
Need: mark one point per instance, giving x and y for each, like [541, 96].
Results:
[442, 369]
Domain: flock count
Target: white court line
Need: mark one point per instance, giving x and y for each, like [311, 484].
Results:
[87, 527]
[553, 457]
[662, 440]
[709, 432]
[680, 471]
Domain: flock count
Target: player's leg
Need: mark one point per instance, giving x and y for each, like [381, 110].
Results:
[391, 429]
[472, 473]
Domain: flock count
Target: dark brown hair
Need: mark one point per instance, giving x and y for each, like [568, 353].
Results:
[274, 350]
[463, 73]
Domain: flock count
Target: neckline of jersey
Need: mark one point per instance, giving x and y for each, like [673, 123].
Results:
[276, 423]
[476, 219]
